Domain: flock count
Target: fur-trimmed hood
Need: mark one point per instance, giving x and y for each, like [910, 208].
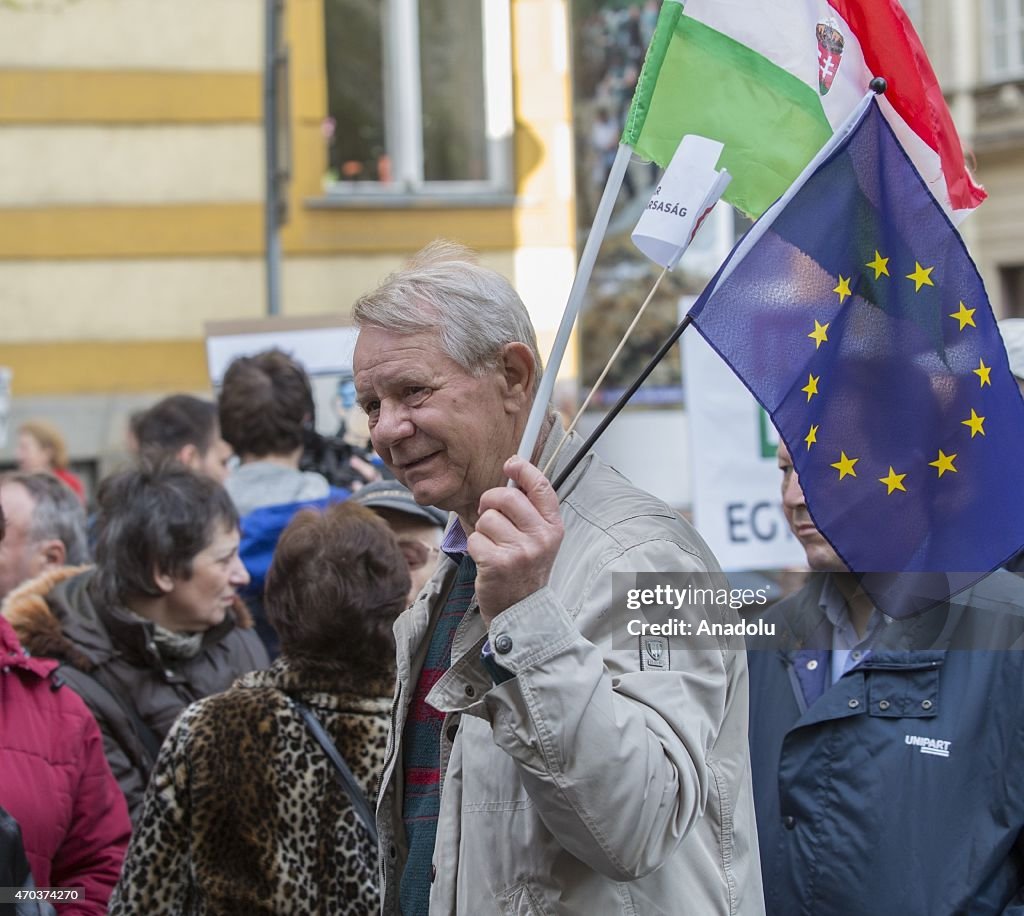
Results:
[41, 633]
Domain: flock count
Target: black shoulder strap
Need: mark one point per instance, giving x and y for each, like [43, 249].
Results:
[344, 774]
[94, 692]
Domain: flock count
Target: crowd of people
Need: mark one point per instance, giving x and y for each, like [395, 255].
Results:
[610, 48]
[238, 688]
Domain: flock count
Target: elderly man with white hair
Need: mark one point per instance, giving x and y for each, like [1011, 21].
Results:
[540, 759]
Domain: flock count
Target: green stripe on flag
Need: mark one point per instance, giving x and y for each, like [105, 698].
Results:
[708, 84]
[664, 33]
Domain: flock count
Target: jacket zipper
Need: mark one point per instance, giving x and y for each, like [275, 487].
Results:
[388, 756]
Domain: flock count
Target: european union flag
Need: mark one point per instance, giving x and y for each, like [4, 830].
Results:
[860, 323]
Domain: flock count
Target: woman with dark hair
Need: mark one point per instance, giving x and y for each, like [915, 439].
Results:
[156, 624]
[246, 812]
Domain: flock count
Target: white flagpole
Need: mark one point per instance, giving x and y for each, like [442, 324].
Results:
[572, 307]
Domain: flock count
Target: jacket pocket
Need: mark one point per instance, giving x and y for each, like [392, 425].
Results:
[903, 694]
[520, 900]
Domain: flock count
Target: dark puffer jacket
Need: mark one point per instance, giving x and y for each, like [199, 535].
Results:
[110, 658]
[265, 829]
[55, 783]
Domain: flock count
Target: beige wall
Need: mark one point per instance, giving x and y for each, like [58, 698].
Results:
[130, 165]
[316, 286]
[172, 298]
[225, 35]
[130, 199]
[85, 300]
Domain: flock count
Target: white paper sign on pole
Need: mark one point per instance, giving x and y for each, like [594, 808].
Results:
[737, 504]
[688, 190]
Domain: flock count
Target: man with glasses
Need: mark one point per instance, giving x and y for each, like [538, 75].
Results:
[417, 528]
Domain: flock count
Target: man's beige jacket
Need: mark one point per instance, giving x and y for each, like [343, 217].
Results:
[592, 782]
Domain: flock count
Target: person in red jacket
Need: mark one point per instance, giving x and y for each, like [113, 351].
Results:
[56, 783]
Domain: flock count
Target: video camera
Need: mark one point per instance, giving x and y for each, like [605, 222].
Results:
[332, 456]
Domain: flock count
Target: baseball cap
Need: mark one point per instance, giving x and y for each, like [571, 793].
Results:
[390, 494]
[1012, 330]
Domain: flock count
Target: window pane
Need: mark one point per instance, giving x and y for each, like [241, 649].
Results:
[354, 32]
[1018, 37]
[998, 8]
[452, 74]
[1000, 62]
[1012, 280]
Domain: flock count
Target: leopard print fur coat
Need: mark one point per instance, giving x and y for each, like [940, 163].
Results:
[244, 815]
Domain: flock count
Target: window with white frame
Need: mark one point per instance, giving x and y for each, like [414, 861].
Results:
[1004, 38]
[419, 96]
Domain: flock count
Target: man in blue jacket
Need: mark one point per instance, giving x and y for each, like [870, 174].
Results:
[266, 408]
[887, 754]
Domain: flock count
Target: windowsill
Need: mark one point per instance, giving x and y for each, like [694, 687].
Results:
[403, 201]
[991, 81]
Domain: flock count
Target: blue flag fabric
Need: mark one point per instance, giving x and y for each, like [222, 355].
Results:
[860, 323]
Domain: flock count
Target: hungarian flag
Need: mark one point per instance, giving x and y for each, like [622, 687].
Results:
[772, 81]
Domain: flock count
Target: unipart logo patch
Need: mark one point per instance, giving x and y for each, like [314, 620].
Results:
[934, 746]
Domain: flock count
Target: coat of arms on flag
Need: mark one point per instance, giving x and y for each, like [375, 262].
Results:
[830, 52]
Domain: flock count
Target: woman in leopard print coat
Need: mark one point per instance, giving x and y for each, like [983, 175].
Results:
[244, 813]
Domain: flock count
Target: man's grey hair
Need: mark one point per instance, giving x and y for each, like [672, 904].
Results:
[57, 514]
[474, 309]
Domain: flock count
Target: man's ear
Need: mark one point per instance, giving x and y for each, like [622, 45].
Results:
[519, 368]
[50, 554]
[163, 581]
[189, 456]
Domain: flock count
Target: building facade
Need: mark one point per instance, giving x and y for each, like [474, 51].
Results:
[131, 198]
[977, 49]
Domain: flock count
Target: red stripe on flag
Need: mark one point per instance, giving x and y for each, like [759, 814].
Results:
[892, 49]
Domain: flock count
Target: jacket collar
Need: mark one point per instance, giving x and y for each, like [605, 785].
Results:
[808, 629]
[325, 684]
[552, 444]
[131, 636]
